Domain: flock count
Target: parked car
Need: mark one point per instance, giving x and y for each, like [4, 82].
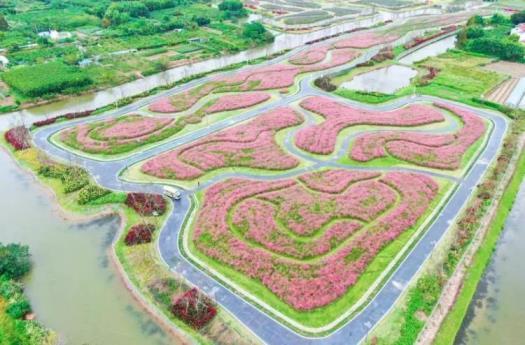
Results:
[172, 192]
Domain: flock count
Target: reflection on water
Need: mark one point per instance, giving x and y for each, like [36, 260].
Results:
[73, 288]
[385, 80]
[497, 312]
[433, 49]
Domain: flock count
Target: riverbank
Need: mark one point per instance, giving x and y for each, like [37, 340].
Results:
[476, 267]
[136, 265]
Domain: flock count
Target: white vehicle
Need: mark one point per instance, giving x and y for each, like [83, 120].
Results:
[172, 192]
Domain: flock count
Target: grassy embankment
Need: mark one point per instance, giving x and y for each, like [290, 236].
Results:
[454, 319]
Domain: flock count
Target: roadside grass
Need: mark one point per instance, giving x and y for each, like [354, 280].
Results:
[475, 272]
[321, 316]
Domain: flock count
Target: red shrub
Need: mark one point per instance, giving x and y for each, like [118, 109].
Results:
[46, 121]
[194, 308]
[18, 137]
[77, 115]
[146, 204]
[139, 234]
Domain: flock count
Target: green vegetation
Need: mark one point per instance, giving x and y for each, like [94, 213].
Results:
[492, 37]
[460, 77]
[44, 79]
[256, 32]
[111, 42]
[15, 263]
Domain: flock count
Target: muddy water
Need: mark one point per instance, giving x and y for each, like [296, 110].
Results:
[385, 80]
[73, 287]
[497, 312]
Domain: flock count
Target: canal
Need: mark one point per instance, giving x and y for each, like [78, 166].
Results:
[496, 313]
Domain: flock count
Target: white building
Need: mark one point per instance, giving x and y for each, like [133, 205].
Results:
[55, 35]
[3, 61]
[520, 31]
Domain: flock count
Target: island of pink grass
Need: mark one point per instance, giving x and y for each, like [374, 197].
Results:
[310, 56]
[433, 151]
[363, 40]
[238, 101]
[321, 138]
[247, 145]
[125, 132]
[248, 225]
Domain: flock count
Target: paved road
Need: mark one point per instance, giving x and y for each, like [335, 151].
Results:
[264, 326]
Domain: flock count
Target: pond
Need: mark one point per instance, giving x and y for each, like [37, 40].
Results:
[496, 313]
[384, 80]
[433, 49]
[73, 287]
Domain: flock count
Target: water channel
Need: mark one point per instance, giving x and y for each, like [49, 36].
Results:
[497, 312]
[73, 288]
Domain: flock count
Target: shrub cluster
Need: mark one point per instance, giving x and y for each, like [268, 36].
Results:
[68, 116]
[91, 192]
[138, 234]
[14, 261]
[194, 308]
[18, 137]
[146, 204]
[73, 178]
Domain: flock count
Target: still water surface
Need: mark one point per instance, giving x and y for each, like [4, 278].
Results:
[73, 287]
[385, 80]
[497, 312]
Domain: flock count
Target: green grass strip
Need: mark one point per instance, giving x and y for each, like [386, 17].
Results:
[454, 319]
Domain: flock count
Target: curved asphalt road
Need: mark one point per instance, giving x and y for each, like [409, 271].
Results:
[106, 173]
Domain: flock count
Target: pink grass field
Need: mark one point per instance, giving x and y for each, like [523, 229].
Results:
[270, 77]
[99, 136]
[240, 101]
[247, 145]
[433, 151]
[268, 229]
[365, 40]
[321, 138]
